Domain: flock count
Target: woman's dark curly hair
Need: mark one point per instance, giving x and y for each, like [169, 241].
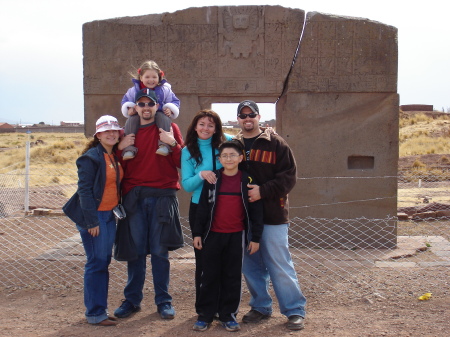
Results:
[93, 143]
[192, 137]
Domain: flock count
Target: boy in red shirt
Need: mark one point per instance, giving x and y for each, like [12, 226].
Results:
[226, 222]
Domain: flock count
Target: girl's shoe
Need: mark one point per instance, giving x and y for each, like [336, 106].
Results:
[128, 155]
[162, 150]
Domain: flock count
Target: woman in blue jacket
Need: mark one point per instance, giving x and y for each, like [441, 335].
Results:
[198, 162]
[91, 208]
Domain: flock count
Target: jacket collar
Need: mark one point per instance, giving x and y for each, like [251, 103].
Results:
[100, 148]
[264, 135]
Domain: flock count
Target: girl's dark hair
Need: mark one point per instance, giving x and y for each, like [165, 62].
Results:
[232, 144]
[192, 136]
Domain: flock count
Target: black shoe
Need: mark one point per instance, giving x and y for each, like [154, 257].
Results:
[254, 316]
[295, 322]
[126, 309]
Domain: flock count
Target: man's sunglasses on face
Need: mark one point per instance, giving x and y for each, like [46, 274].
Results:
[143, 104]
[244, 116]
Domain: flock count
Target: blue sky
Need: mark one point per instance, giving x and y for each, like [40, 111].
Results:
[41, 73]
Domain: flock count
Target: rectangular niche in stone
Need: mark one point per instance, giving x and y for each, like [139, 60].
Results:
[360, 162]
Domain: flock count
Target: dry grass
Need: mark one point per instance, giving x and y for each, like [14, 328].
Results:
[48, 150]
[231, 131]
[421, 134]
[424, 145]
[52, 157]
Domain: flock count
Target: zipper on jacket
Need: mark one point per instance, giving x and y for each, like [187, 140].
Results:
[246, 213]
[212, 208]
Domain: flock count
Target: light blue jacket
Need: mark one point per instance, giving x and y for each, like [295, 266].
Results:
[190, 171]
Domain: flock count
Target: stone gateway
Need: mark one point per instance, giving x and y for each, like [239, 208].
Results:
[333, 80]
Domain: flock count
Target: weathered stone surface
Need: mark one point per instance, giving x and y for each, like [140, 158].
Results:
[402, 216]
[443, 213]
[343, 54]
[233, 51]
[41, 211]
[337, 106]
[423, 215]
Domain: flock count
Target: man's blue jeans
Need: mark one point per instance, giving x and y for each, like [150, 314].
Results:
[273, 262]
[96, 275]
[146, 232]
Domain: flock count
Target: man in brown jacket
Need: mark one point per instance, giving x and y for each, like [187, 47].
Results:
[271, 162]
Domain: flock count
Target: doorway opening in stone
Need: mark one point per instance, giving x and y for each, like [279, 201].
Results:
[228, 112]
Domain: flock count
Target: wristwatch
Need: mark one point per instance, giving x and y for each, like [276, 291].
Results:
[174, 144]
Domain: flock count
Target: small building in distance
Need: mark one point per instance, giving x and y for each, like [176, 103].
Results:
[231, 124]
[71, 123]
[416, 107]
[235, 124]
[6, 126]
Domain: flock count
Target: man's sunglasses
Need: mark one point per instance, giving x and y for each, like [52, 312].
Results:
[244, 116]
[143, 104]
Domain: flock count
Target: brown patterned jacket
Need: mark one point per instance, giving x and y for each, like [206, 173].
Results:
[272, 164]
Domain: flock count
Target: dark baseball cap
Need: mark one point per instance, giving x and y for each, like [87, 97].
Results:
[146, 92]
[252, 105]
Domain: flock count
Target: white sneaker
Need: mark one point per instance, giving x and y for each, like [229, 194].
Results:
[162, 150]
[128, 155]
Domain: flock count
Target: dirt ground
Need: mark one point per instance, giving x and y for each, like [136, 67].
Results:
[394, 311]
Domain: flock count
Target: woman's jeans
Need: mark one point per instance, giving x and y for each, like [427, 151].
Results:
[273, 262]
[96, 275]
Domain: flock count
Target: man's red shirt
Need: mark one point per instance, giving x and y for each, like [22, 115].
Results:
[148, 168]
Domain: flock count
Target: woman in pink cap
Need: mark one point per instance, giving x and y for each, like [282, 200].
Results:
[91, 208]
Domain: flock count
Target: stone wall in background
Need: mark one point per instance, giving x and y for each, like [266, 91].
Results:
[337, 105]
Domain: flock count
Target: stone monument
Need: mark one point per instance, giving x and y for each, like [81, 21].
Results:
[333, 79]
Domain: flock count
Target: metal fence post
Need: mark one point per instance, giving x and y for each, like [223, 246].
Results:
[27, 175]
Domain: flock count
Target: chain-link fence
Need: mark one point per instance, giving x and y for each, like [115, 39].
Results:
[43, 249]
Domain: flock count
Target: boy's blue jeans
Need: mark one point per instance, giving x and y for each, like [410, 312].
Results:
[96, 275]
[273, 262]
[146, 232]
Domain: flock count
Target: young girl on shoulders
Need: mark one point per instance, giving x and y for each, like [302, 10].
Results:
[150, 75]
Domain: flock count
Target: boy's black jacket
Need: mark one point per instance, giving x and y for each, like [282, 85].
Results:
[254, 221]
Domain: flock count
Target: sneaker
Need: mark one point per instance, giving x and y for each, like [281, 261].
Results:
[126, 309]
[254, 316]
[166, 310]
[295, 322]
[201, 326]
[231, 326]
[128, 155]
[162, 150]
